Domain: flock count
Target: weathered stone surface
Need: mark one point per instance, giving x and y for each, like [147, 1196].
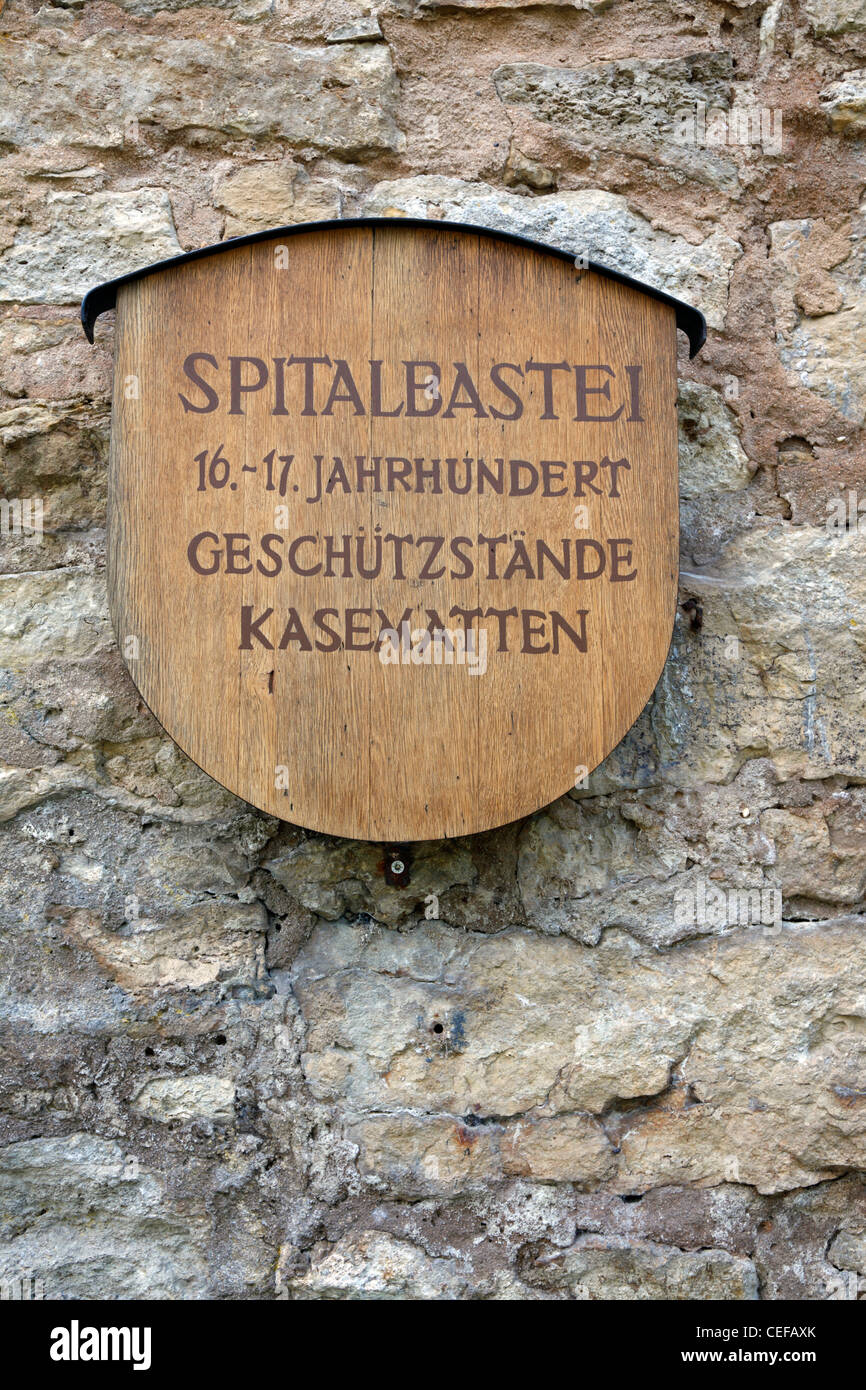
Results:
[711, 457]
[425, 1157]
[594, 6]
[599, 225]
[630, 107]
[363, 29]
[714, 472]
[239, 9]
[794, 1250]
[498, 1026]
[372, 1265]
[44, 355]
[81, 239]
[187, 1097]
[756, 679]
[107, 1228]
[522, 172]
[640, 863]
[721, 1217]
[759, 678]
[564, 1148]
[202, 89]
[209, 942]
[595, 1267]
[53, 460]
[836, 16]
[819, 851]
[820, 308]
[845, 101]
[331, 877]
[648, 863]
[443, 1155]
[848, 1250]
[64, 613]
[272, 194]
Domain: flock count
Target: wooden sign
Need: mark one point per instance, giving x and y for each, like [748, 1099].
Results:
[393, 536]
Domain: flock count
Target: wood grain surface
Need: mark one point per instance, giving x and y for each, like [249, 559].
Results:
[318, 730]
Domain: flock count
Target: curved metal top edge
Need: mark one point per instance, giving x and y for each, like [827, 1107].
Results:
[104, 297]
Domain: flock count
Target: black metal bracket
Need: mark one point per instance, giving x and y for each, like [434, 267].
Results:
[104, 297]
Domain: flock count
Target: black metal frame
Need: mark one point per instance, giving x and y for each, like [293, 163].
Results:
[104, 297]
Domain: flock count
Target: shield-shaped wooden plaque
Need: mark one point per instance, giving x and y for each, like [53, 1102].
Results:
[393, 530]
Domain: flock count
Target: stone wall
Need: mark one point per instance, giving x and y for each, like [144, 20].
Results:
[238, 1063]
